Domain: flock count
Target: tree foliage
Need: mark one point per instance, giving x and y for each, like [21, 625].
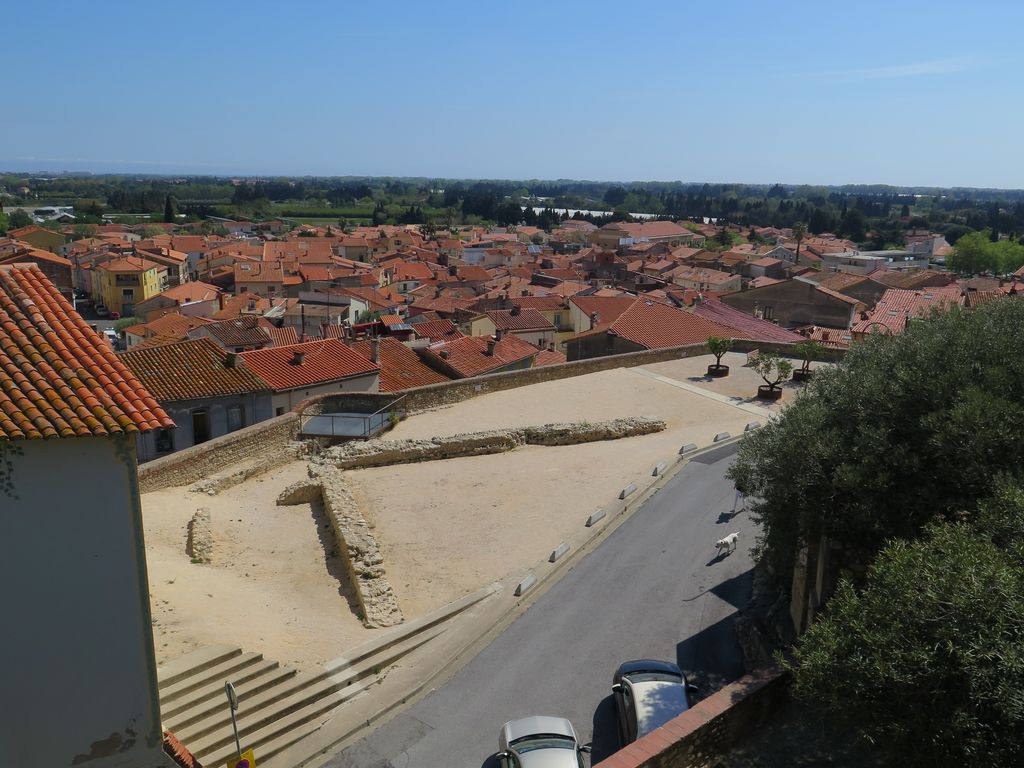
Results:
[718, 346]
[772, 368]
[975, 253]
[908, 429]
[927, 660]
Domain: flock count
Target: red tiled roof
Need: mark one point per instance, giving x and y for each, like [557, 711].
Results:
[437, 330]
[548, 357]
[128, 264]
[243, 331]
[468, 356]
[58, 378]
[281, 337]
[322, 361]
[190, 370]
[830, 337]
[551, 303]
[654, 325]
[608, 308]
[521, 320]
[752, 327]
[173, 324]
[897, 306]
[400, 367]
[186, 292]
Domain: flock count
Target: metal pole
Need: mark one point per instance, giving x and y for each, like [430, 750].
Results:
[229, 689]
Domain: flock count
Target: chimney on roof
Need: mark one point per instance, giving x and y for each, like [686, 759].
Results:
[297, 357]
[491, 343]
[516, 309]
[453, 270]
[220, 301]
[863, 315]
[437, 292]
[551, 346]
[594, 317]
[375, 351]
[444, 354]
[524, 292]
[231, 360]
[498, 333]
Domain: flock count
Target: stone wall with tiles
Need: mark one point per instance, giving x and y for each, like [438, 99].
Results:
[711, 727]
[271, 441]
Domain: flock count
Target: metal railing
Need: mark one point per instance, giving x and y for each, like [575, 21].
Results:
[352, 426]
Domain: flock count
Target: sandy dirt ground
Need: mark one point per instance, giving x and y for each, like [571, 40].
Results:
[269, 587]
[445, 528]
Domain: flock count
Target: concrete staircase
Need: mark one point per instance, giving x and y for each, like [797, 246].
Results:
[277, 706]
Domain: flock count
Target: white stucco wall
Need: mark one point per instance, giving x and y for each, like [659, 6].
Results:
[79, 670]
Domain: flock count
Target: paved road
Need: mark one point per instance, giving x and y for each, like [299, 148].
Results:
[654, 588]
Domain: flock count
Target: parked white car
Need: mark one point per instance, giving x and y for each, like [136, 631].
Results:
[540, 742]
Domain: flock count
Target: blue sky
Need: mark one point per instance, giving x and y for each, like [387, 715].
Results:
[795, 92]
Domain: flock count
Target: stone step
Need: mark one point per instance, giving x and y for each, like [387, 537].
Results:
[219, 672]
[269, 750]
[205, 701]
[192, 663]
[260, 727]
[301, 689]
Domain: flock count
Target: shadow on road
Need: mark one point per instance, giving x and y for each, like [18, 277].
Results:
[711, 658]
[605, 730]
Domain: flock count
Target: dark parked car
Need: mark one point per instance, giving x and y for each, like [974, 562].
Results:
[647, 694]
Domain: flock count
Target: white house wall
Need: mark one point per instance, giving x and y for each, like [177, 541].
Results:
[80, 674]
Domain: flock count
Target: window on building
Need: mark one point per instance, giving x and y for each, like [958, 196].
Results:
[164, 441]
[768, 313]
[127, 293]
[558, 320]
[279, 411]
[236, 417]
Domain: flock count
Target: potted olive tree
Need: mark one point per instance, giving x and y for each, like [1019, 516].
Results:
[774, 370]
[718, 346]
[808, 350]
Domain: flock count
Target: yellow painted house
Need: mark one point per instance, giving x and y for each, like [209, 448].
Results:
[122, 283]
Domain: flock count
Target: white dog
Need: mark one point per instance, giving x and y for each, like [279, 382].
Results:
[729, 543]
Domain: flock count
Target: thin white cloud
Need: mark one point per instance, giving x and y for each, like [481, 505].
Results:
[915, 69]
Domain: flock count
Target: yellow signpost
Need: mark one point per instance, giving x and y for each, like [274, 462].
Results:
[247, 760]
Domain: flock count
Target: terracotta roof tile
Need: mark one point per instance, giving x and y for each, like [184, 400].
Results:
[244, 331]
[437, 330]
[898, 306]
[654, 325]
[321, 362]
[468, 356]
[400, 367]
[58, 378]
[190, 370]
[753, 327]
[519, 320]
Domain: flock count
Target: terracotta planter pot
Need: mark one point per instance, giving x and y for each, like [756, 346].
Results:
[718, 371]
[767, 393]
[802, 375]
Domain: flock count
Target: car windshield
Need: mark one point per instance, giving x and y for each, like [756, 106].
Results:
[653, 677]
[543, 741]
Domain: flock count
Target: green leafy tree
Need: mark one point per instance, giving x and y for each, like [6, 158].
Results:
[125, 322]
[926, 660]
[170, 209]
[718, 346]
[799, 232]
[853, 225]
[17, 219]
[908, 429]
[973, 255]
[771, 367]
[808, 350]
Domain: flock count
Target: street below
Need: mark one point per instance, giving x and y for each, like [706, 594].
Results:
[655, 588]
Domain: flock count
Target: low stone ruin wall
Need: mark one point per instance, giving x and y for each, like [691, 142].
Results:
[380, 453]
[362, 557]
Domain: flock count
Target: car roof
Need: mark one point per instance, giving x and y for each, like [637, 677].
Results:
[656, 703]
[528, 726]
[648, 665]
